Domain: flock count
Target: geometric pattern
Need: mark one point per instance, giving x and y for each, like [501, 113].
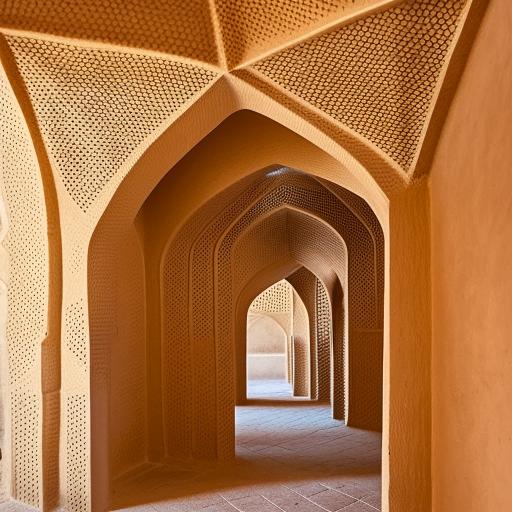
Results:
[88, 103]
[375, 76]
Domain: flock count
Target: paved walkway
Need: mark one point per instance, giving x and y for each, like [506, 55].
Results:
[289, 458]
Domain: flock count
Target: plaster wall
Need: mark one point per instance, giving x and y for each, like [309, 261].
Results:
[128, 360]
[264, 335]
[471, 208]
[266, 347]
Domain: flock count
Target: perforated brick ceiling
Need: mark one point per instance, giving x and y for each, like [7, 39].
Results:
[135, 23]
[95, 107]
[253, 26]
[377, 75]
[275, 299]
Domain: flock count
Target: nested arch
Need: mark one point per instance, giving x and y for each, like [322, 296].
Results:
[363, 311]
[323, 266]
[276, 325]
[217, 283]
[111, 231]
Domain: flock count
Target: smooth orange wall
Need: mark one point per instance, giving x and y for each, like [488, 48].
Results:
[471, 202]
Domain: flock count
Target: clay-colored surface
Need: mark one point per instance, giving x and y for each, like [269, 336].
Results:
[252, 225]
[269, 332]
[472, 282]
[118, 149]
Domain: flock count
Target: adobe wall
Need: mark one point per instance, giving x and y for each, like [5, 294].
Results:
[472, 281]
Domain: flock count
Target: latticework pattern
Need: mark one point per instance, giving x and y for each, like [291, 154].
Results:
[134, 23]
[252, 27]
[378, 75]
[323, 341]
[276, 299]
[301, 349]
[305, 378]
[88, 104]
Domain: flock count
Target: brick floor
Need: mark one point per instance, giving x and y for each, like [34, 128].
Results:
[290, 457]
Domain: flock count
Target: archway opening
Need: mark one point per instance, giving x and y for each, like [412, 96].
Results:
[278, 345]
[199, 273]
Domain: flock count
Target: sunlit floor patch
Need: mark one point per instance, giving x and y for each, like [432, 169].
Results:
[269, 390]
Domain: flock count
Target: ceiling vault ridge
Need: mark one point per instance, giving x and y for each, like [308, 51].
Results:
[217, 30]
[92, 44]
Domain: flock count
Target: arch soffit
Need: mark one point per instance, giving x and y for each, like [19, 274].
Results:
[308, 214]
[261, 281]
[201, 119]
[252, 287]
[265, 191]
[261, 196]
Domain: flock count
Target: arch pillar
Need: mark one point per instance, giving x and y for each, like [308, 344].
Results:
[338, 369]
[407, 356]
[304, 283]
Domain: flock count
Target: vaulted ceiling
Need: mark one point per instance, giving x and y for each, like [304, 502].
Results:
[104, 76]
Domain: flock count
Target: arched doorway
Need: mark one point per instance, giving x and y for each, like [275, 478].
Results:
[270, 343]
[203, 279]
[105, 236]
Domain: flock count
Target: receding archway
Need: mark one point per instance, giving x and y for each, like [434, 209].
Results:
[110, 240]
[278, 217]
[270, 335]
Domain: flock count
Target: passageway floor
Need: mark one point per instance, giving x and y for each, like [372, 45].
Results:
[265, 389]
[290, 457]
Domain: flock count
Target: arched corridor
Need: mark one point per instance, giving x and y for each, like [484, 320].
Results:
[278, 223]
[254, 255]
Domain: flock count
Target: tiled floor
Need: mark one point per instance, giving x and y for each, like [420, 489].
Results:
[290, 457]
